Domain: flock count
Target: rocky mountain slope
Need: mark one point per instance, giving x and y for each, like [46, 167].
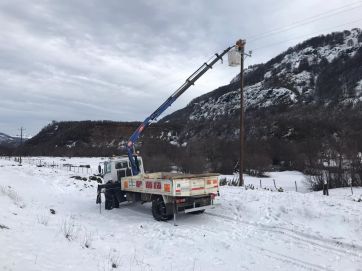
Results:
[322, 71]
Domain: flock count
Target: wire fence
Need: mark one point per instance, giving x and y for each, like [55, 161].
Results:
[84, 169]
[267, 185]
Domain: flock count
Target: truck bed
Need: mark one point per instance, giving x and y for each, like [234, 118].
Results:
[172, 184]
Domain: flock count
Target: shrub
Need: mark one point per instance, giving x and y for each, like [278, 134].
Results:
[69, 229]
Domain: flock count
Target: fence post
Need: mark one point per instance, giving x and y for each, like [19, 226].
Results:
[325, 188]
[261, 186]
[296, 187]
[275, 184]
[350, 181]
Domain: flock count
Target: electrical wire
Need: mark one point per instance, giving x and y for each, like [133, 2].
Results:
[303, 36]
[306, 21]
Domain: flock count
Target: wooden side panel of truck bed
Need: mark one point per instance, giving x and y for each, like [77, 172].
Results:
[172, 184]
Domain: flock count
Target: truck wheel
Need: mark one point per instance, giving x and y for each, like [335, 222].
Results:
[110, 200]
[197, 212]
[159, 210]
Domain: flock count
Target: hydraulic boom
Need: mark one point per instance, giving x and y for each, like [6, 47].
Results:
[188, 83]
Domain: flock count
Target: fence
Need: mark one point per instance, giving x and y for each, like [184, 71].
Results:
[269, 184]
[41, 163]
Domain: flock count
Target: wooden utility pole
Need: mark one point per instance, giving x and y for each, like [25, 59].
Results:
[240, 45]
[21, 143]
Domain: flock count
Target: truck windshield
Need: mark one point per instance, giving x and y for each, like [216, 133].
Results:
[107, 167]
[120, 165]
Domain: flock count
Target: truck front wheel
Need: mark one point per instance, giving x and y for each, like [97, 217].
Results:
[111, 200]
[159, 210]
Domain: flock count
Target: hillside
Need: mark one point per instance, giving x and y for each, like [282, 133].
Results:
[9, 141]
[302, 106]
[324, 71]
[101, 138]
[8, 144]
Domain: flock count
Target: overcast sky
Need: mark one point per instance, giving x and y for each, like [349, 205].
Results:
[119, 60]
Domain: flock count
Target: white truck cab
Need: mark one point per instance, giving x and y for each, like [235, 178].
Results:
[116, 168]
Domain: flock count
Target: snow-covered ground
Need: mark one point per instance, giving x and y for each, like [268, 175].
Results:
[287, 180]
[249, 230]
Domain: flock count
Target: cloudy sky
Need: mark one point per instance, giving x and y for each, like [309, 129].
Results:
[119, 60]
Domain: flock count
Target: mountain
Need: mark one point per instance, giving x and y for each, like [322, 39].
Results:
[9, 141]
[320, 72]
[8, 144]
[100, 138]
[301, 107]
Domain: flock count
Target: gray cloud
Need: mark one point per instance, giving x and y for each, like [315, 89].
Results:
[118, 60]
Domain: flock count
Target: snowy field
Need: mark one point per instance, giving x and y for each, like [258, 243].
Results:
[287, 180]
[249, 230]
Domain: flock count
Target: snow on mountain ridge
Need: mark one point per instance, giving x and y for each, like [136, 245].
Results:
[255, 96]
[290, 78]
[8, 140]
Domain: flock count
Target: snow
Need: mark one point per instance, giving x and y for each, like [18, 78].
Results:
[285, 180]
[257, 96]
[249, 230]
[5, 138]
[267, 75]
[359, 88]
[254, 96]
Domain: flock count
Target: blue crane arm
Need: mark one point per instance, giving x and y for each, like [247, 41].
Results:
[188, 83]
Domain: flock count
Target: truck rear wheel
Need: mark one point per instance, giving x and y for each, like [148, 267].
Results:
[159, 211]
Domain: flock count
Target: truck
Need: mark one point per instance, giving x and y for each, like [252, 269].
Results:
[171, 193]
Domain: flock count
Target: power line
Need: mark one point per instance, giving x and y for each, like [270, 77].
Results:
[303, 36]
[307, 20]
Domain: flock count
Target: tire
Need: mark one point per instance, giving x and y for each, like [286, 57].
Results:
[197, 212]
[110, 201]
[159, 210]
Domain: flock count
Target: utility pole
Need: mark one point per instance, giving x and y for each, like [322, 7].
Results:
[240, 45]
[21, 143]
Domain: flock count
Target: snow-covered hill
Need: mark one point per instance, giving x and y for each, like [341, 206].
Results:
[249, 230]
[9, 141]
[322, 69]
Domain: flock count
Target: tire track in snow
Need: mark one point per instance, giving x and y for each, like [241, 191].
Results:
[305, 241]
[271, 254]
[291, 260]
[327, 244]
